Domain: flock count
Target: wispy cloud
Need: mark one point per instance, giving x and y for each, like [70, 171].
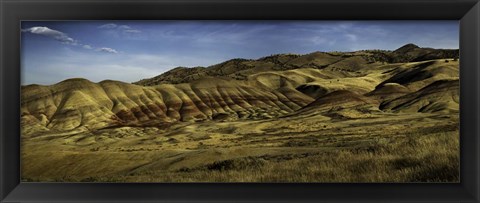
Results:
[124, 27]
[351, 37]
[86, 46]
[55, 34]
[64, 38]
[120, 28]
[108, 50]
[132, 31]
[108, 26]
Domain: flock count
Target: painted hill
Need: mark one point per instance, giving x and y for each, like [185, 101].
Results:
[442, 95]
[346, 64]
[388, 91]
[335, 85]
[420, 74]
[340, 104]
[79, 103]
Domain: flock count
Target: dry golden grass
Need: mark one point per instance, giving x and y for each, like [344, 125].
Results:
[394, 151]
[416, 158]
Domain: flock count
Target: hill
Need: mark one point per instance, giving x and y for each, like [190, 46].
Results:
[366, 116]
[270, 87]
[441, 95]
[78, 104]
[346, 64]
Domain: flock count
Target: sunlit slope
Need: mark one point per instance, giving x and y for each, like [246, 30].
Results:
[417, 75]
[350, 85]
[81, 104]
[345, 64]
[442, 95]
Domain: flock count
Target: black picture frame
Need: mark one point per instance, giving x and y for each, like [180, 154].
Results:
[13, 11]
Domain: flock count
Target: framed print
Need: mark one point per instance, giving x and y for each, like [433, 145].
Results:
[352, 114]
[239, 101]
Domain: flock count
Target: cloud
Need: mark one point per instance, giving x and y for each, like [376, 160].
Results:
[108, 26]
[65, 39]
[319, 40]
[55, 34]
[108, 50]
[124, 27]
[132, 31]
[351, 37]
[86, 46]
[120, 28]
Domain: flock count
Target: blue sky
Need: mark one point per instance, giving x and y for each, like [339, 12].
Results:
[128, 51]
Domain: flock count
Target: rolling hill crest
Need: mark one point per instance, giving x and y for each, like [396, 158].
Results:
[409, 79]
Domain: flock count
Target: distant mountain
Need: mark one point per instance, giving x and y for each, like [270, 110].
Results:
[406, 48]
[413, 53]
[350, 63]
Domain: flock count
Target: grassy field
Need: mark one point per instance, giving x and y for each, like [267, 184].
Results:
[419, 147]
[416, 158]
